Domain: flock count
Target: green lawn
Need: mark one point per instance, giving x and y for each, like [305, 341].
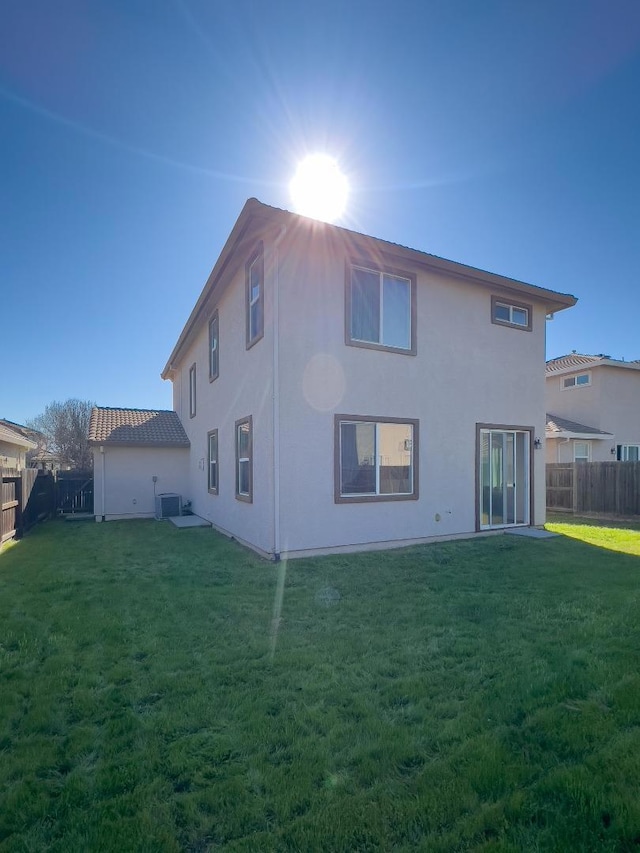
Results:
[477, 695]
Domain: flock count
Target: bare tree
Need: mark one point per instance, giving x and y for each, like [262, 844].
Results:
[66, 429]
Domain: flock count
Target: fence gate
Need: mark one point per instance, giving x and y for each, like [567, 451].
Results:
[26, 497]
[74, 492]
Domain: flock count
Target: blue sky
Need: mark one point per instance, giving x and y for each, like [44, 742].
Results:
[505, 135]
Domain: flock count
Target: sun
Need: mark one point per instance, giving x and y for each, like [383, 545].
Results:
[319, 189]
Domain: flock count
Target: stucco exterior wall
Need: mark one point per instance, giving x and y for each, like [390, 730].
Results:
[582, 403]
[467, 371]
[12, 455]
[123, 479]
[243, 388]
[610, 403]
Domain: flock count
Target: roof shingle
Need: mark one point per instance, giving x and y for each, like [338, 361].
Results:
[558, 424]
[140, 427]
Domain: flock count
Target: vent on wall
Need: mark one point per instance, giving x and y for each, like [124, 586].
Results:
[168, 505]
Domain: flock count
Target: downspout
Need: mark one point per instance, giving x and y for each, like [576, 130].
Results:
[102, 454]
[276, 395]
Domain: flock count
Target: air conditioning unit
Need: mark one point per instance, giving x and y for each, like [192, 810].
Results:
[168, 505]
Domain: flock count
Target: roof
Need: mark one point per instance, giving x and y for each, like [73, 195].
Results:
[558, 427]
[13, 435]
[577, 361]
[136, 427]
[257, 219]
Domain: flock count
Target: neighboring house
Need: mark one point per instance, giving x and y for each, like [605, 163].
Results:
[340, 392]
[593, 405]
[14, 445]
[137, 454]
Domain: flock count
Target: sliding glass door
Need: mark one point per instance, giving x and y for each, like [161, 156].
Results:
[504, 478]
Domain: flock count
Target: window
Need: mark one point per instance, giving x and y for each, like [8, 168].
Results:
[581, 451]
[212, 456]
[214, 342]
[244, 459]
[192, 390]
[255, 298]
[628, 452]
[578, 381]
[381, 310]
[511, 314]
[375, 459]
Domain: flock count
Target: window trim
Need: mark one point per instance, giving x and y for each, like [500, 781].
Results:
[256, 257]
[380, 269]
[213, 490]
[192, 390]
[240, 496]
[338, 497]
[587, 444]
[508, 303]
[620, 449]
[576, 384]
[215, 319]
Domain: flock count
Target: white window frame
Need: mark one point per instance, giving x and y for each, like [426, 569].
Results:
[214, 346]
[255, 262]
[192, 390]
[511, 307]
[568, 383]
[586, 458]
[379, 344]
[378, 423]
[623, 452]
[244, 460]
[212, 462]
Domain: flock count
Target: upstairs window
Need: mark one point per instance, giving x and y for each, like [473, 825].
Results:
[505, 313]
[381, 310]
[255, 298]
[214, 342]
[192, 390]
[577, 381]
[375, 459]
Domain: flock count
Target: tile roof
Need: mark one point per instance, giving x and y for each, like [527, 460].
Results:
[577, 361]
[140, 427]
[558, 424]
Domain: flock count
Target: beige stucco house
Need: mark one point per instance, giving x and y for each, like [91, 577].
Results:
[137, 455]
[14, 446]
[593, 405]
[339, 392]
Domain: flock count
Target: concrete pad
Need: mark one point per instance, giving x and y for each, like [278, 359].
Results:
[189, 521]
[531, 532]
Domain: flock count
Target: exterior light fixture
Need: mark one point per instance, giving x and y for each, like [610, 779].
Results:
[613, 450]
[537, 443]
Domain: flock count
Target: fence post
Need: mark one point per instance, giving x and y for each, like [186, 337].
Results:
[574, 480]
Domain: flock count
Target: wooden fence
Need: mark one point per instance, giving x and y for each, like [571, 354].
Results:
[27, 497]
[602, 488]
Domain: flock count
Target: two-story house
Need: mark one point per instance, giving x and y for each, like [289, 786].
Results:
[593, 406]
[340, 392]
[15, 443]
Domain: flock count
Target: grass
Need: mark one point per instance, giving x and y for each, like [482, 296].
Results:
[479, 695]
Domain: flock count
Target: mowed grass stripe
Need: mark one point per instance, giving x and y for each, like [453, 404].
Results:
[462, 696]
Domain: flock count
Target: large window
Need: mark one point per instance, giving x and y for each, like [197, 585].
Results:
[192, 390]
[244, 459]
[214, 346]
[577, 381]
[506, 313]
[381, 309]
[628, 452]
[255, 298]
[375, 459]
[212, 457]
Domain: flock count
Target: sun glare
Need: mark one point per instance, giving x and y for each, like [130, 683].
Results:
[319, 189]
